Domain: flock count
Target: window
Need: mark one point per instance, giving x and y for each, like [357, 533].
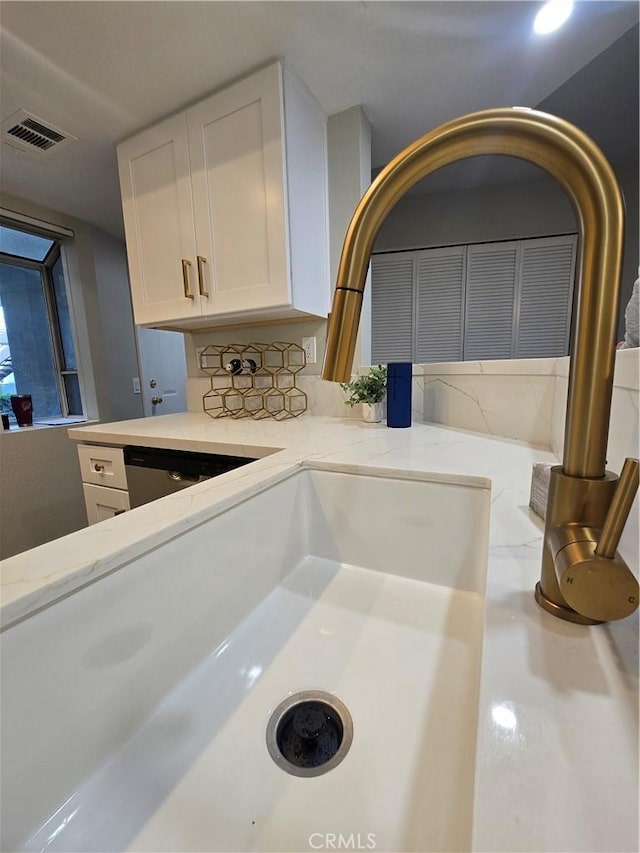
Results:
[37, 353]
[473, 303]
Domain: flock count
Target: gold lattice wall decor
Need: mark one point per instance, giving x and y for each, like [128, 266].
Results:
[254, 380]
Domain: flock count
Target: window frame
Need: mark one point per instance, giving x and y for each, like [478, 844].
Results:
[55, 254]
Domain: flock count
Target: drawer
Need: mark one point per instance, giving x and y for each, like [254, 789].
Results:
[102, 503]
[103, 466]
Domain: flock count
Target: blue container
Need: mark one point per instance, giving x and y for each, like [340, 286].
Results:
[399, 376]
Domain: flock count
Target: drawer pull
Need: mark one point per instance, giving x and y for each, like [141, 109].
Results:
[98, 467]
[201, 285]
[185, 278]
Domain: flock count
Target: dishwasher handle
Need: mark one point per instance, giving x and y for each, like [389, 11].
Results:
[179, 477]
[185, 463]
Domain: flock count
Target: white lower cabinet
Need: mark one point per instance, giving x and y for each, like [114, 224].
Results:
[104, 481]
[103, 466]
[102, 503]
[225, 208]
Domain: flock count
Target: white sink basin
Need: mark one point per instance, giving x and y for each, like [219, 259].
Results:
[366, 585]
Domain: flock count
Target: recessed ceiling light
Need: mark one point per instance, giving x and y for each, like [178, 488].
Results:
[552, 15]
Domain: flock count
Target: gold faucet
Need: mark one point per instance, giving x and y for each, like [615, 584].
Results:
[583, 578]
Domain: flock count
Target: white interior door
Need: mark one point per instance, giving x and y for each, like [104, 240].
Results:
[163, 369]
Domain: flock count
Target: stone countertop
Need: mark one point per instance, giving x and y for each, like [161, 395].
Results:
[557, 754]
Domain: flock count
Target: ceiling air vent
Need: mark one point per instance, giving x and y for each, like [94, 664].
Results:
[29, 133]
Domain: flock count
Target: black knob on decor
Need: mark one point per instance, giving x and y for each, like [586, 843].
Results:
[308, 721]
[234, 366]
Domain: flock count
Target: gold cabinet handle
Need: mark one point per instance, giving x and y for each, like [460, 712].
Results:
[201, 262]
[98, 467]
[185, 278]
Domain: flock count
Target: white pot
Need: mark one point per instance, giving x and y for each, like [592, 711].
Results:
[372, 412]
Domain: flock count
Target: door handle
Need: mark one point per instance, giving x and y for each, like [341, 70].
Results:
[201, 283]
[155, 401]
[185, 278]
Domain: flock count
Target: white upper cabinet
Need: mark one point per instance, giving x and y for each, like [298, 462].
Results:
[158, 217]
[225, 208]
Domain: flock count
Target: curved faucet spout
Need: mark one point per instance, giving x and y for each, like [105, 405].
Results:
[581, 168]
[577, 583]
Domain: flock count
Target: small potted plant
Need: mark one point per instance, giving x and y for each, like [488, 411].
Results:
[368, 389]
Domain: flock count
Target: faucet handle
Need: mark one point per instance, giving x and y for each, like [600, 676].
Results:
[619, 509]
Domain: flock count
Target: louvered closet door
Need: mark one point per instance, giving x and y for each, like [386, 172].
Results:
[492, 272]
[547, 272]
[440, 304]
[392, 307]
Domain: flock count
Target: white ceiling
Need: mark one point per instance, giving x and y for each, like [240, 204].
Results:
[103, 70]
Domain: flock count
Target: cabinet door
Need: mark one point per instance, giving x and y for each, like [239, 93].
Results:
[158, 219]
[491, 305]
[102, 503]
[440, 297]
[237, 163]
[392, 283]
[103, 466]
[547, 271]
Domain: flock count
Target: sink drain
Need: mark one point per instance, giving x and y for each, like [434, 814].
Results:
[309, 733]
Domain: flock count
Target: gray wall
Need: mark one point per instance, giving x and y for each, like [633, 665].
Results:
[118, 342]
[477, 214]
[40, 488]
[40, 480]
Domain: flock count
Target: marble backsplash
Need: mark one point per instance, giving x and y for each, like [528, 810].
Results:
[526, 399]
[624, 439]
[510, 399]
[522, 399]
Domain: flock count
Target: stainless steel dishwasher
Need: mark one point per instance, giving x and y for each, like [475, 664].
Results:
[154, 472]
